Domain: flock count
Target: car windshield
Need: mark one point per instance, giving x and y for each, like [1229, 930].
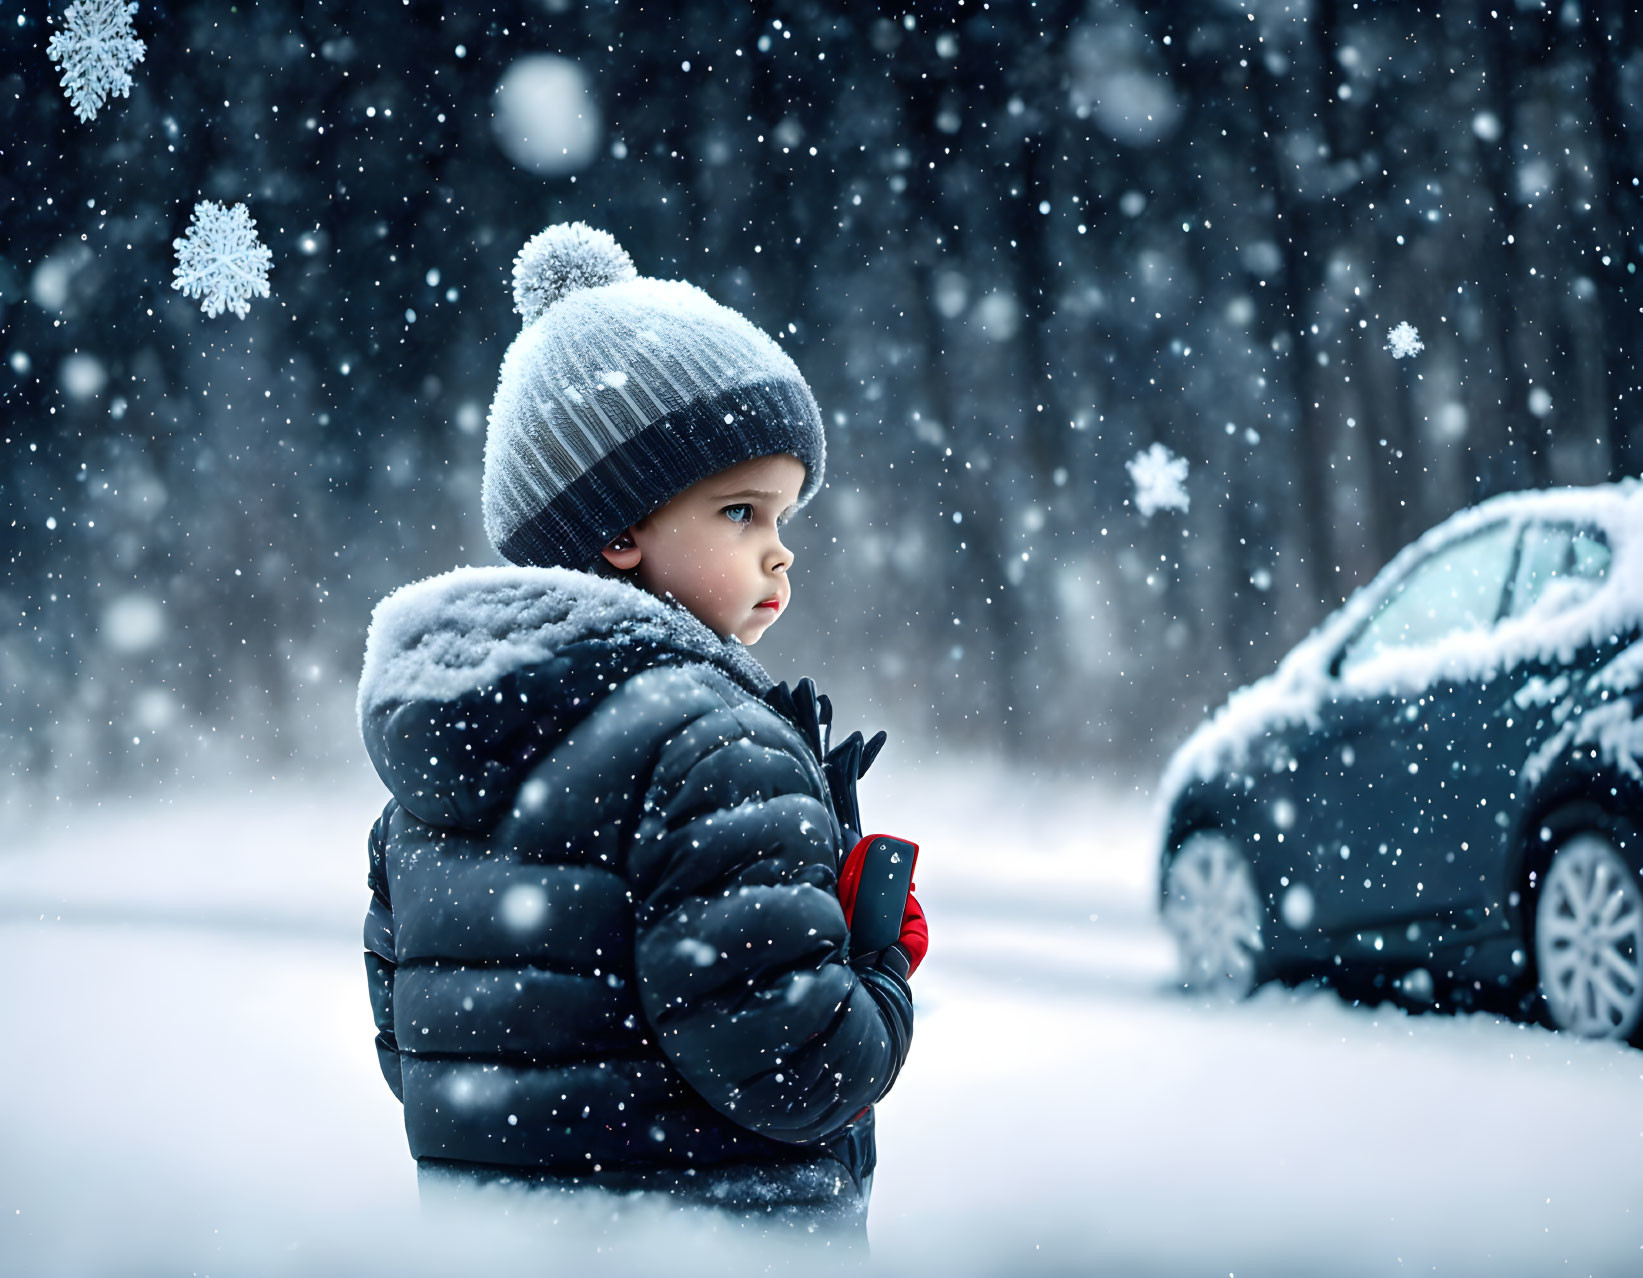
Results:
[1458, 587]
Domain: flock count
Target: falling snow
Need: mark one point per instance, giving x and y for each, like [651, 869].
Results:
[1404, 341]
[1009, 248]
[96, 50]
[1160, 480]
[220, 260]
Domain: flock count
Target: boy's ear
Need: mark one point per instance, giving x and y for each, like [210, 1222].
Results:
[623, 552]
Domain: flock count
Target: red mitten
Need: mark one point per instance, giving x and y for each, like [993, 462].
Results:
[915, 935]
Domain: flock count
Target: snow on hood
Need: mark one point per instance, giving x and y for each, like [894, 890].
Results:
[1294, 694]
[443, 637]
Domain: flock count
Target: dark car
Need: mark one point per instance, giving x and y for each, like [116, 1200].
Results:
[1437, 794]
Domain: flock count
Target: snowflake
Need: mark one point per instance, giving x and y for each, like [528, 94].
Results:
[1404, 340]
[97, 48]
[1160, 480]
[221, 260]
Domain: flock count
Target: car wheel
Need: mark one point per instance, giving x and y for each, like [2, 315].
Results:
[1212, 908]
[1589, 939]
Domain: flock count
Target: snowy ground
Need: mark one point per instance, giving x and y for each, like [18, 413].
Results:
[187, 1084]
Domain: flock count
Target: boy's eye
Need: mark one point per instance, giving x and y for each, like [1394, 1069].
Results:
[731, 511]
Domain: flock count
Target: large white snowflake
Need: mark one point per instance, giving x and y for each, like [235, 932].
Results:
[1160, 480]
[1404, 340]
[96, 49]
[221, 260]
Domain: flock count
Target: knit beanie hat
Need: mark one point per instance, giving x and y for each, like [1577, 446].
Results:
[620, 393]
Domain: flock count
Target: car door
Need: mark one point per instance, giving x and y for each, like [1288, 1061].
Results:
[1561, 564]
[1386, 808]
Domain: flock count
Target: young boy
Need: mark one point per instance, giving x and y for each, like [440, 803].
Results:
[606, 943]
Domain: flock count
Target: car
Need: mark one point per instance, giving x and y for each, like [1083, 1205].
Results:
[1437, 796]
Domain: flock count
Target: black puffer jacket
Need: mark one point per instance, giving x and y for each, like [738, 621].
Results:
[604, 938]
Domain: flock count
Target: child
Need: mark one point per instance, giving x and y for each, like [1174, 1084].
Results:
[605, 945]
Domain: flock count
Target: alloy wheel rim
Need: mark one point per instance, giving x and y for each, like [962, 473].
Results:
[1589, 940]
[1213, 910]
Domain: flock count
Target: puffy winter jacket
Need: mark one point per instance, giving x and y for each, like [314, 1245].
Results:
[604, 940]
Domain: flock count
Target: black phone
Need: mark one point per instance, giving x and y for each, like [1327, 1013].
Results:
[881, 896]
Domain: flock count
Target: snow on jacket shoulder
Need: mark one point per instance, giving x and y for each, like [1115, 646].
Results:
[604, 934]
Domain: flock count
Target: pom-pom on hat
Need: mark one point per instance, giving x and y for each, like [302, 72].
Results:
[620, 393]
[562, 259]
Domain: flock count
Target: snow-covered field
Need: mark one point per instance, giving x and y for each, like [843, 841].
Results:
[188, 1086]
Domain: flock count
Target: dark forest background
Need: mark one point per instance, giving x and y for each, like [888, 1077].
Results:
[1010, 244]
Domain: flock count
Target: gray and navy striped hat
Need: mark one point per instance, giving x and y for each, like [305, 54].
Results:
[622, 392]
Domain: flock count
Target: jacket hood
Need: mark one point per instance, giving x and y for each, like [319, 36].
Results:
[471, 675]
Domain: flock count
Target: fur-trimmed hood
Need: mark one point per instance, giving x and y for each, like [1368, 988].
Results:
[471, 674]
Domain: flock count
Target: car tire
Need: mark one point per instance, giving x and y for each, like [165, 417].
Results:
[1588, 937]
[1213, 909]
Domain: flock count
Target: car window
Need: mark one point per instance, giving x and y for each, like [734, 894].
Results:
[1560, 565]
[1589, 555]
[1457, 587]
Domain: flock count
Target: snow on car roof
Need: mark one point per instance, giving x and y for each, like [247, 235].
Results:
[1296, 691]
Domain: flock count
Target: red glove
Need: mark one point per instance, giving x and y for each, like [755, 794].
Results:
[915, 935]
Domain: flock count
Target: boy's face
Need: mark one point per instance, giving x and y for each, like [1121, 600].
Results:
[716, 547]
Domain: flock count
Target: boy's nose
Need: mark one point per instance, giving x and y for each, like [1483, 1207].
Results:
[781, 557]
